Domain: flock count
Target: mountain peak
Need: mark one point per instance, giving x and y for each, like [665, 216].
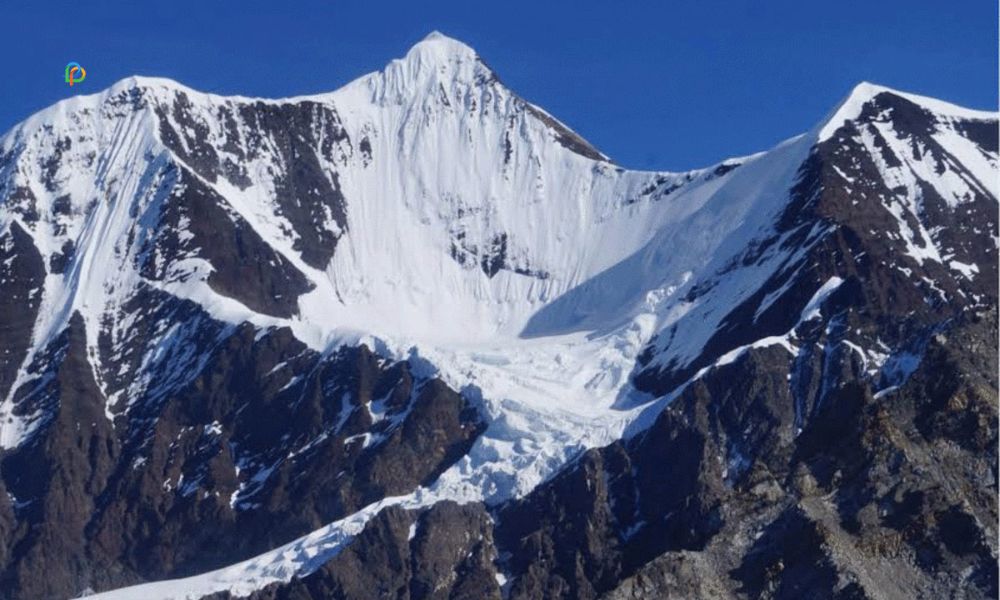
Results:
[433, 61]
[437, 49]
[147, 85]
[850, 108]
[443, 44]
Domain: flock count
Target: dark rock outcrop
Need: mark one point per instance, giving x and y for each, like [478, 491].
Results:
[444, 552]
[197, 475]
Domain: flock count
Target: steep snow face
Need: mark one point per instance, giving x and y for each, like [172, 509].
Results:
[475, 209]
[425, 205]
[458, 209]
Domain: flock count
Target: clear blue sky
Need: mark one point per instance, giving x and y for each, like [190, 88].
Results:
[667, 85]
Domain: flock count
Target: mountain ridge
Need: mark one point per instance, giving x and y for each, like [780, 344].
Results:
[434, 42]
[423, 243]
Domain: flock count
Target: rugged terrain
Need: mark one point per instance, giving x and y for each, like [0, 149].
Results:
[415, 338]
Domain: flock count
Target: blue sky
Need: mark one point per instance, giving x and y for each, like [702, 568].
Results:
[665, 85]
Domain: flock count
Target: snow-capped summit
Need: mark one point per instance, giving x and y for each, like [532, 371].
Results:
[435, 63]
[438, 47]
[850, 108]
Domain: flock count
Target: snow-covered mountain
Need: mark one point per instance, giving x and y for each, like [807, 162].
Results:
[240, 333]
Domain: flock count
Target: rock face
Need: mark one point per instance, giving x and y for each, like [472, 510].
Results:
[446, 551]
[416, 339]
[724, 497]
[205, 477]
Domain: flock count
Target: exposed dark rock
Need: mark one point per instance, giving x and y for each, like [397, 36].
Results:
[723, 497]
[22, 274]
[444, 552]
[189, 139]
[566, 137]
[307, 194]
[56, 477]
[245, 267]
[848, 231]
[196, 475]
[60, 260]
[491, 258]
[296, 137]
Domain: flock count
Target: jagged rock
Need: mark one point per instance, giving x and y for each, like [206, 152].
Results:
[444, 552]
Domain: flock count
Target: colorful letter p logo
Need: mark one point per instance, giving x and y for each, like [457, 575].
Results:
[75, 73]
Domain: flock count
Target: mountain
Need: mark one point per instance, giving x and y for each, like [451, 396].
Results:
[415, 338]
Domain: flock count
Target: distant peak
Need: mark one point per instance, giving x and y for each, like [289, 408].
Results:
[866, 90]
[851, 107]
[433, 61]
[435, 35]
[437, 45]
[145, 83]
